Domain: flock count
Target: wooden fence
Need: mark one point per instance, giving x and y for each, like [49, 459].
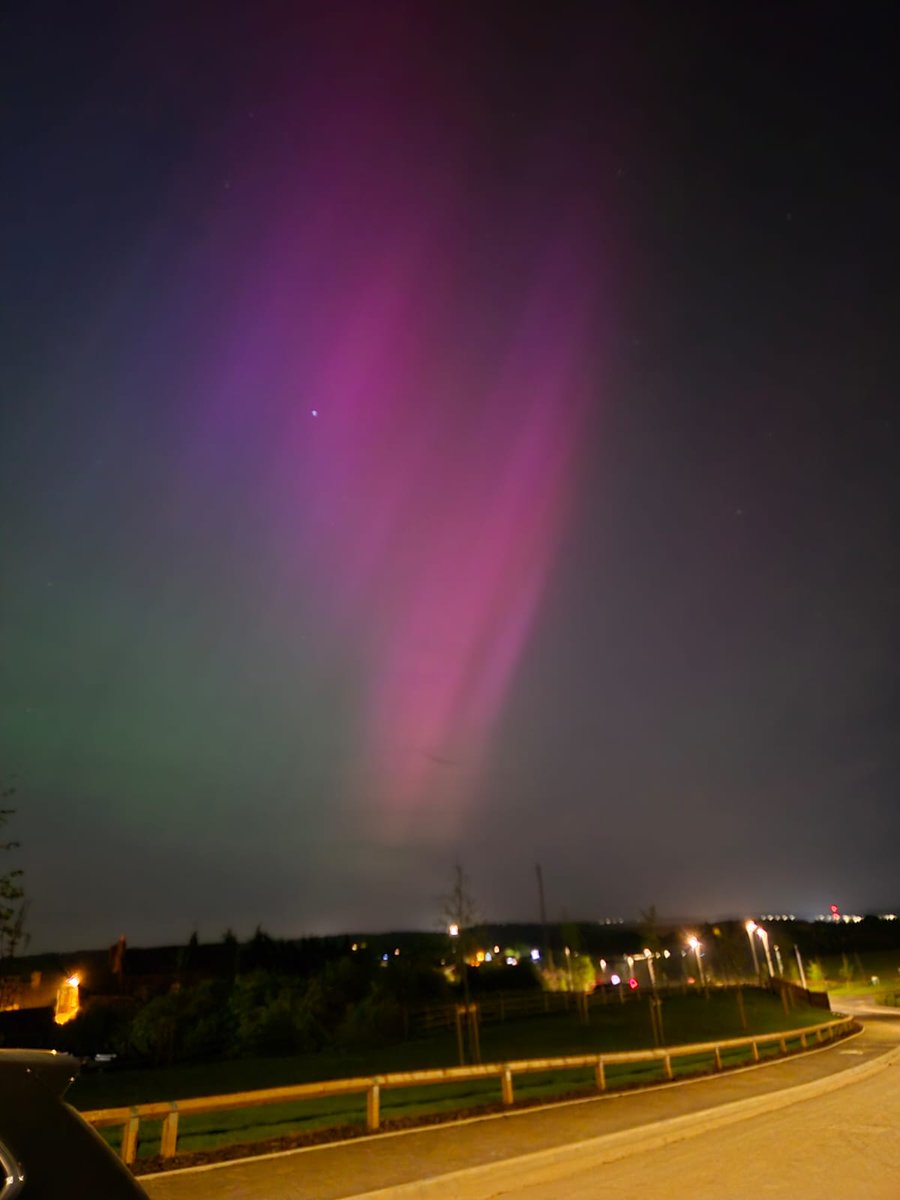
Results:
[510, 1006]
[169, 1112]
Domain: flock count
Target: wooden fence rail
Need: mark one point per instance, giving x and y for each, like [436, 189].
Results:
[505, 1006]
[170, 1111]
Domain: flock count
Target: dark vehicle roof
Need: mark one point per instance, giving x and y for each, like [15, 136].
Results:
[59, 1153]
[56, 1071]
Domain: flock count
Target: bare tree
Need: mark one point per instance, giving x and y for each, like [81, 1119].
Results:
[460, 916]
[12, 913]
[458, 906]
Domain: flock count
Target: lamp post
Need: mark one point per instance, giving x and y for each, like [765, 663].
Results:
[800, 967]
[764, 938]
[694, 944]
[648, 954]
[656, 1020]
[751, 928]
[453, 934]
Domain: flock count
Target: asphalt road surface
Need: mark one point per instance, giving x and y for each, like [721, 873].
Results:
[824, 1125]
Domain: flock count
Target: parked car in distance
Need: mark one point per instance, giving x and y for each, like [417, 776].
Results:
[47, 1151]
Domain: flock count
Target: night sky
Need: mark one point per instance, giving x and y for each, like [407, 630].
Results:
[442, 432]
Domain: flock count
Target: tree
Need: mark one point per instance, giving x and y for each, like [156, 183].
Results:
[12, 911]
[459, 905]
[460, 915]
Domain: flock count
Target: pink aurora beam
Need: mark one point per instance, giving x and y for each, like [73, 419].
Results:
[441, 334]
[444, 515]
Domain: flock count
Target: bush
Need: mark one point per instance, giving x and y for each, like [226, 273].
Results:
[183, 1024]
[272, 1014]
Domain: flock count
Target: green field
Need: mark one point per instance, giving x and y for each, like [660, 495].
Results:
[612, 1027]
[852, 975]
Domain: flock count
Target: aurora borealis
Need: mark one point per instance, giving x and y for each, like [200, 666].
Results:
[426, 438]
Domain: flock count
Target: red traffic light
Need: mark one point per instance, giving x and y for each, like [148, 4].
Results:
[632, 983]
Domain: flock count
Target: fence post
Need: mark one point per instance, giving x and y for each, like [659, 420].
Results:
[718, 1059]
[459, 1035]
[742, 1012]
[667, 1065]
[600, 1075]
[130, 1138]
[802, 1041]
[474, 1038]
[755, 1050]
[506, 1085]
[169, 1139]
[373, 1106]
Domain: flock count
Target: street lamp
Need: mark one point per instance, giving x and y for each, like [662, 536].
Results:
[656, 1020]
[751, 928]
[694, 944]
[648, 954]
[800, 967]
[764, 938]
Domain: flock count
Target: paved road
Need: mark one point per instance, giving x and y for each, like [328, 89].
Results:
[840, 1145]
[846, 1121]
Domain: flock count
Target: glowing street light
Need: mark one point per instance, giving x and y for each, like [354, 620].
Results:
[453, 930]
[648, 955]
[694, 944]
[67, 1000]
[751, 928]
[764, 938]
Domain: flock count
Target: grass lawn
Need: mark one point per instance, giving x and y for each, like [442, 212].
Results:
[884, 966]
[687, 1018]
